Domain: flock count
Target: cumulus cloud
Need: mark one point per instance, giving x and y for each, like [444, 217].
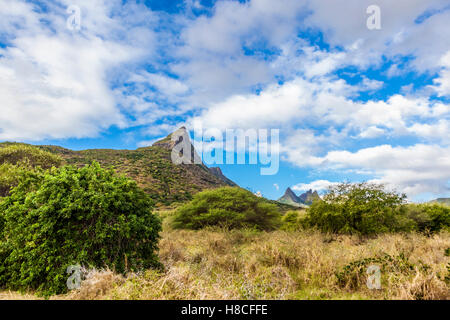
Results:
[53, 81]
[442, 82]
[318, 185]
[414, 169]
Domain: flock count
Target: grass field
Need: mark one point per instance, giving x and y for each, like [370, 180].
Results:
[245, 264]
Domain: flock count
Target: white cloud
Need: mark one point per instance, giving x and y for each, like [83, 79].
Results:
[53, 82]
[276, 186]
[442, 83]
[371, 132]
[318, 185]
[344, 24]
[414, 170]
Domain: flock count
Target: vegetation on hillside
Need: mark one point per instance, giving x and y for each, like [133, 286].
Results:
[151, 167]
[17, 159]
[230, 207]
[28, 155]
[68, 216]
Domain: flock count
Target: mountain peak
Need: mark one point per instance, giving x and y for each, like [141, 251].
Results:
[306, 198]
[289, 197]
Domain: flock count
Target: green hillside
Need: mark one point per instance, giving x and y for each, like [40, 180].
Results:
[442, 201]
[151, 167]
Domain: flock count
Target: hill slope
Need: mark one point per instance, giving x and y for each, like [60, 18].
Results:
[152, 168]
[441, 200]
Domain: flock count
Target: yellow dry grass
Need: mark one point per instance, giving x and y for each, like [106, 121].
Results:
[218, 264]
[245, 264]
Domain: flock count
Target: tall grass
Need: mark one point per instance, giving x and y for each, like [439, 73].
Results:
[216, 263]
[219, 264]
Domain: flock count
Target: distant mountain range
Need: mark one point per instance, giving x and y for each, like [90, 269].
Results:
[304, 200]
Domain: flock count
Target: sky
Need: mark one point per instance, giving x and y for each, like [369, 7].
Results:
[357, 94]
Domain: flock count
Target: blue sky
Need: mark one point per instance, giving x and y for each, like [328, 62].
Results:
[351, 103]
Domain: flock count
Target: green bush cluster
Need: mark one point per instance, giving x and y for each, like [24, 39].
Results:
[67, 216]
[356, 208]
[367, 208]
[293, 220]
[428, 217]
[230, 207]
[30, 155]
[17, 159]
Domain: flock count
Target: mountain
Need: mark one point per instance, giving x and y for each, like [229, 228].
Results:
[308, 197]
[304, 200]
[289, 197]
[218, 173]
[152, 168]
[441, 200]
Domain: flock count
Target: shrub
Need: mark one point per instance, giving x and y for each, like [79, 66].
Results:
[230, 207]
[360, 208]
[293, 220]
[30, 155]
[69, 216]
[429, 217]
[17, 159]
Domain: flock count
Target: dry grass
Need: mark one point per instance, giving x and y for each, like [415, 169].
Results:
[215, 264]
[244, 264]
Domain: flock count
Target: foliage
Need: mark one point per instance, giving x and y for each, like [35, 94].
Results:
[293, 220]
[431, 217]
[69, 216]
[30, 155]
[17, 159]
[352, 274]
[9, 177]
[360, 208]
[231, 207]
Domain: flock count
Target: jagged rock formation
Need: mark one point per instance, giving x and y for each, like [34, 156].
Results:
[309, 196]
[303, 200]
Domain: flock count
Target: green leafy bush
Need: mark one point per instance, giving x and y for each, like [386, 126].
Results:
[293, 220]
[17, 159]
[360, 208]
[230, 207]
[69, 216]
[429, 217]
[30, 155]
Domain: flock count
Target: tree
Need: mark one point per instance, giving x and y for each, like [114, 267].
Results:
[230, 207]
[361, 208]
[69, 216]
